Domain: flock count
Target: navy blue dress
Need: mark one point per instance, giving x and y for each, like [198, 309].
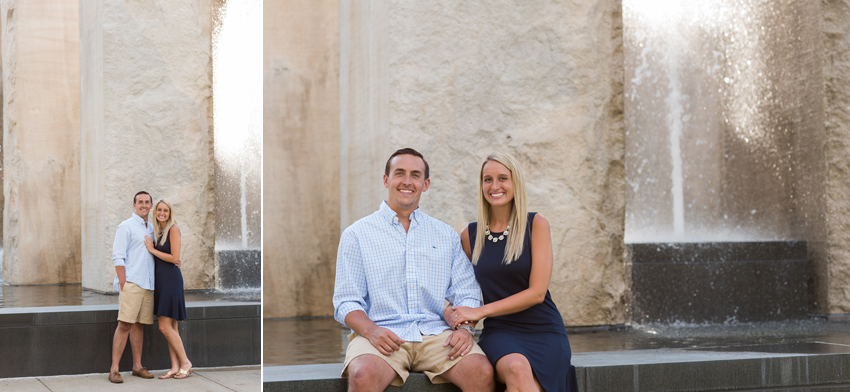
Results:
[538, 332]
[168, 298]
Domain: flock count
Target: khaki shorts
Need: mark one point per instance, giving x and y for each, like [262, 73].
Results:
[135, 304]
[428, 356]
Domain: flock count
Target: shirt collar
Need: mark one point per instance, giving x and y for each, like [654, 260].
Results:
[388, 214]
[138, 219]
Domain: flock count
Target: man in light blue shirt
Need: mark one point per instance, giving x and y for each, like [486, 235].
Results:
[134, 278]
[395, 270]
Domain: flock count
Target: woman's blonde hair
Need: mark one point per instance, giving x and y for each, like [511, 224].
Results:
[519, 212]
[170, 222]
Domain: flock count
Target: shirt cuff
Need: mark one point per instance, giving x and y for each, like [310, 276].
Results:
[345, 308]
[470, 303]
[118, 262]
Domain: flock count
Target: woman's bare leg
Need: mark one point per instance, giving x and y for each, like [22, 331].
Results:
[185, 364]
[514, 371]
[168, 327]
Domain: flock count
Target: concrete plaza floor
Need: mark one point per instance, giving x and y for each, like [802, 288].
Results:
[237, 378]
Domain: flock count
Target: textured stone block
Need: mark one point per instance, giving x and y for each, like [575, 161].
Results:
[833, 269]
[146, 115]
[41, 142]
[458, 80]
[301, 161]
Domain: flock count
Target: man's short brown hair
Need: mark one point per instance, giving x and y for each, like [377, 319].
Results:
[142, 193]
[407, 151]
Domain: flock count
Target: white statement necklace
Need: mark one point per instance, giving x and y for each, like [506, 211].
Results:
[499, 238]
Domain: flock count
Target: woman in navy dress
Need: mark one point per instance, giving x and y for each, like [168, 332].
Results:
[168, 302]
[511, 250]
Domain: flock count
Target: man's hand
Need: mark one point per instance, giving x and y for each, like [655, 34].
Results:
[385, 340]
[121, 284]
[460, 342]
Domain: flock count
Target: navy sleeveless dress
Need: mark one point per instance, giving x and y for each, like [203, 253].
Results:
[538, 332]
[168, 298]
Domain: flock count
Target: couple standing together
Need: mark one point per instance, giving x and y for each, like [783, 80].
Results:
[397, 267]
[146, 256]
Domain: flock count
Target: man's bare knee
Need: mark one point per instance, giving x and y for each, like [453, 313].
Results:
[482, 369]
[368, 372]
[124, 326]
[472, 373]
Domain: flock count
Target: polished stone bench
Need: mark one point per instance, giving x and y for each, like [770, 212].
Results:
[820, 366]
[61, 340]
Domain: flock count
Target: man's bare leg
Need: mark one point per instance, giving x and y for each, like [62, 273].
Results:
[119, 342]
[369, 373]
[136, 340]
[473, 373]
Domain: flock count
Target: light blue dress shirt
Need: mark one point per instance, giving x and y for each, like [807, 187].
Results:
[402, 279]
[129, 250]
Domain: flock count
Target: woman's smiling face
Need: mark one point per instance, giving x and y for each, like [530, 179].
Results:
[497, 184]
[162, 212]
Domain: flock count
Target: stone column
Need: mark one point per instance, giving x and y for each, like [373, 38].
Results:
[363, 106]
[458, 80]
[41, 162]
[301, 165]
[146, 124]
[832, 267]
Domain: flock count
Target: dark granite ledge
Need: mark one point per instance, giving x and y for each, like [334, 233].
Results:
[636, 370]
[89, 314]
[706, 252]
[62, 340]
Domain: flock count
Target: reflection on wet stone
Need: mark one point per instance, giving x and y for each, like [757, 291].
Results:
[75, 295]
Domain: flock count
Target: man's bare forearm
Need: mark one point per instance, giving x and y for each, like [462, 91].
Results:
[121, 277]
[359, 322]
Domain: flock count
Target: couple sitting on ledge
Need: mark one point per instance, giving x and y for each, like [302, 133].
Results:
[397, 267]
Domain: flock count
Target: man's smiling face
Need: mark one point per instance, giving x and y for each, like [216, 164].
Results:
[406, 182]
[142, 205]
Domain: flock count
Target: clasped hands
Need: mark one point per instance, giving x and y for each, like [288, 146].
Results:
[464, 315]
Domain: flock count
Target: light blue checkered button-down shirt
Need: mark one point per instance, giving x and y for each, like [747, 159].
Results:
[402, 279]
[129, 250]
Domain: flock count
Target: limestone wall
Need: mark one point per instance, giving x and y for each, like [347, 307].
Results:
[41, 158]
[146, 115]
[301, 165]
[834, 271]
[457, 80]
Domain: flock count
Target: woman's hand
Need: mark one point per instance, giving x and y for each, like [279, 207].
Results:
[464, 315]
[149, 243]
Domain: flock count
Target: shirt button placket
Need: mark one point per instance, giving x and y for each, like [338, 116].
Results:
[411, 276]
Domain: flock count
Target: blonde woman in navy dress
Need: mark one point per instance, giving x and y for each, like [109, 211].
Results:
[511, 251]
[168, 302]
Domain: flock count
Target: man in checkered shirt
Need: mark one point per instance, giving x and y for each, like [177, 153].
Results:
[396, 268]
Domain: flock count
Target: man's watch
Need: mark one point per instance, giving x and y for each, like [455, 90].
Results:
[468, 328]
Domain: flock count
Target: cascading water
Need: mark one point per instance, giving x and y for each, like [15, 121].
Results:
[714, 102]
[724, 129]
[237, 97]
